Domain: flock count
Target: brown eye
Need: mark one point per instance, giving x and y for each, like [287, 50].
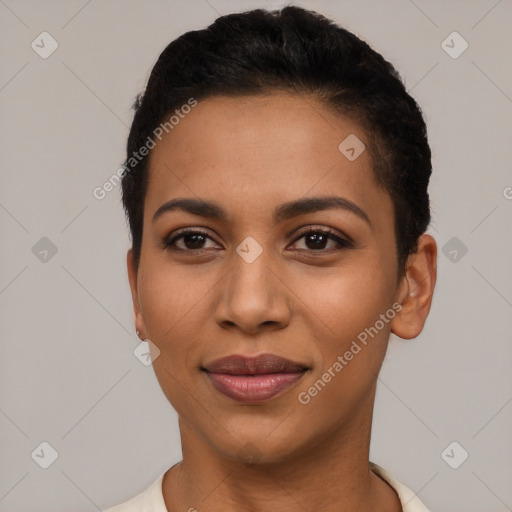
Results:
[317, 239]
[191, 240]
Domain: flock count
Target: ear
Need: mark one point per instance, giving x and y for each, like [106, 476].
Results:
[132, 277]
[416, 290]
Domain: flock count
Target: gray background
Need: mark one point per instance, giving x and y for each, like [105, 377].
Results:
[68, 373]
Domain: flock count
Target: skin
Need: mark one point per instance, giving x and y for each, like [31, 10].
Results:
[298, 300]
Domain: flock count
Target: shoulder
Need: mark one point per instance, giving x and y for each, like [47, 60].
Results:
[149, 500]
[408, 499]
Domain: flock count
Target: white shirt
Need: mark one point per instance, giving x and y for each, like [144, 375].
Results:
[152, 499]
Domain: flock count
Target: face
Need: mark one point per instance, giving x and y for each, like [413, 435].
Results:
[272, 272]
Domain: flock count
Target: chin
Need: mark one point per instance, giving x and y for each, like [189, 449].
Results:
[257, 448]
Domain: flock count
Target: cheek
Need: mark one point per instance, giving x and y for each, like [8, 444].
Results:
[344, 301]
[350, 339]
[168, 295]
[174, 305]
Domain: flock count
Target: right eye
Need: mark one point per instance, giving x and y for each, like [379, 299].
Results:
[191, 239]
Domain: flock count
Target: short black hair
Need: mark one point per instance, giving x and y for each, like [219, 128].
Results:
[300, 51]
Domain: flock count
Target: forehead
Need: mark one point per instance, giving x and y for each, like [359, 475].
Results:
[251, 153]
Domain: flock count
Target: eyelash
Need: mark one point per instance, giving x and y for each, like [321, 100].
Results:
[331, 235]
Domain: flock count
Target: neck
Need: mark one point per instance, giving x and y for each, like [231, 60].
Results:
[331, 475]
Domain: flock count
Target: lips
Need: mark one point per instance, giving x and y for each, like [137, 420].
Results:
[255, 379]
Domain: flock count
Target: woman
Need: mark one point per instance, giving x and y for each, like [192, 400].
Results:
[276, 190]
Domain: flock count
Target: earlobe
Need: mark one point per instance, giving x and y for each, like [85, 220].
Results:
[132, 278]
[416, 290]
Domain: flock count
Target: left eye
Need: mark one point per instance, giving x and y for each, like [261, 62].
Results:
[315, 239]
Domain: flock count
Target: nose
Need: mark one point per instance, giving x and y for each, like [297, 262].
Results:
[253, 296]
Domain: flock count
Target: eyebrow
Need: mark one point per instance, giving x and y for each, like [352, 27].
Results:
[285, 211]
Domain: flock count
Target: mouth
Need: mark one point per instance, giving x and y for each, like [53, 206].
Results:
[253, 379]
